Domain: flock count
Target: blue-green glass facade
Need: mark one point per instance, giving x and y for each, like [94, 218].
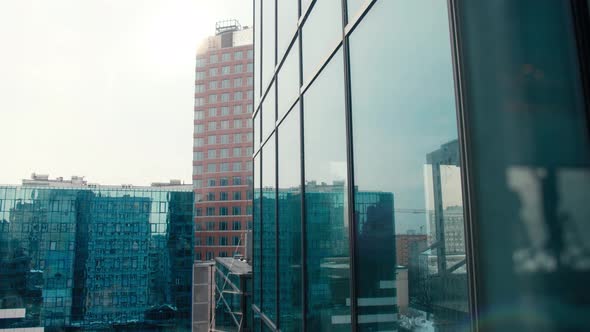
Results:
[459, 127]
[97, 258]
[233, 291]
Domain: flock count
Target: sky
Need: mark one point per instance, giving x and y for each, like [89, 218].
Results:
[102, 88]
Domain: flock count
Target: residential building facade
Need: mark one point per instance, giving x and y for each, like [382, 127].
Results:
[464, 121]
[407, 245]
[222, 150]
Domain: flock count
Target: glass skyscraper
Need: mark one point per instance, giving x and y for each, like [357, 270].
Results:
[96, 258]
[463, 124]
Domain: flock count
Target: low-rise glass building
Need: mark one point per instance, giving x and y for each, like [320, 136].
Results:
[97, 257]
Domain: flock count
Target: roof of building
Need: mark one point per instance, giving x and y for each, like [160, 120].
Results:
[227, 26]
[228, 34]
[42, 181]
[235, 265]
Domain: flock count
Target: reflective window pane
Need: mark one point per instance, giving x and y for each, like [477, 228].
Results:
[407, 171]
[531, 158]
[257, 50]
[257, 234]
[287, 23]
[353, 7]
[328, 270]
[321, 32]
[289, 219]
[268, 113]
[288, 81]
[268, 227]
[257, 130]
[268, 40]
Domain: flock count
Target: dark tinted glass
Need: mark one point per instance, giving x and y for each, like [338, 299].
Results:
[269, 252]
[289, 219]
[530, 157]
[257, 234]
[408, 194]
[328, 270]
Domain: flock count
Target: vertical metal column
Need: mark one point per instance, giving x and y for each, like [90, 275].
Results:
[350, 171]
[470, 229]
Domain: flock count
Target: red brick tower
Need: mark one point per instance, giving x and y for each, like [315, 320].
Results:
[222, 149]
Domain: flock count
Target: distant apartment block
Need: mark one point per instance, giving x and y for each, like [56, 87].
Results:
[222, 150]
[406, 244]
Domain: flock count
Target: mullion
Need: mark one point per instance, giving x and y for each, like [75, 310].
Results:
[350, 175]
[276, 164]
[303, 219]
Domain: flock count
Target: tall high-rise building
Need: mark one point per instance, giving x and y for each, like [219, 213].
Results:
[222, 150]
[466, 121]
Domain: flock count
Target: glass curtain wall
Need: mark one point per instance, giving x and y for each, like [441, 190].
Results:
[95, 258]
[418, 148]
[383, 105]
[407, 172]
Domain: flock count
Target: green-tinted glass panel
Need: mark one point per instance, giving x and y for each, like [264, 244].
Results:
[328, 265]
[232, 295]
[94, 258]
[257, 234]
[530, 155]
[256, 324]
[289, 219]
[268, 228]
[407, 172]
[266, 328]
